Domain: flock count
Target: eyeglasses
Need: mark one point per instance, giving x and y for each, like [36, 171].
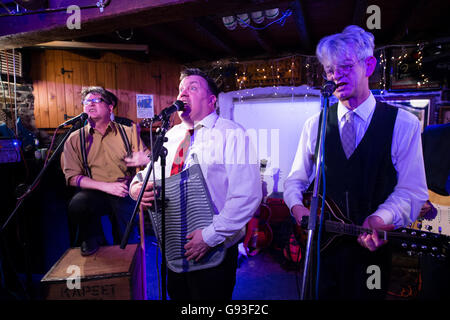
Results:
[95, 100]
[342, 69]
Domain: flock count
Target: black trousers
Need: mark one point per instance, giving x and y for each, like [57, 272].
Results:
[88, 206]
[347, 272]
[215, 283]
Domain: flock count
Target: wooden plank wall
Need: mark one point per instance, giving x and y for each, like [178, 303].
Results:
[57, 94]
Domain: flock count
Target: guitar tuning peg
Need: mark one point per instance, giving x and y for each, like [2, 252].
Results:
[419, 225]
[429, 228]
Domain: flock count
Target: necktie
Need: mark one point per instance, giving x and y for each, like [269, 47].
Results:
[181, 153]
[348, 134]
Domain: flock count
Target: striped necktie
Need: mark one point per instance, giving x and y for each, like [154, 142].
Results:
[180, 155]
[348, 134]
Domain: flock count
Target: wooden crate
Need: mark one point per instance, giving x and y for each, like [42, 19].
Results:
[109, 274]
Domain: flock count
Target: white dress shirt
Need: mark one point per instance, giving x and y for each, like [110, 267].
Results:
[403, 205]
[230, 170]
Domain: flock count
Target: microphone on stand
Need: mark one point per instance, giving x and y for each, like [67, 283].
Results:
[176, 106]
[81, 117]
[328, 88]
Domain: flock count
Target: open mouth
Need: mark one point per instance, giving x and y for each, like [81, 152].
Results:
[186, 105]
[340, 85]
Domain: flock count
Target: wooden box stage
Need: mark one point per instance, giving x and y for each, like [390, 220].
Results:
[109, 274]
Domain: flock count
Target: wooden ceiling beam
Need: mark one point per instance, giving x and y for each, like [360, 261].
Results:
[212, 33]
[29, 29]
[262, 41]
[174, 43]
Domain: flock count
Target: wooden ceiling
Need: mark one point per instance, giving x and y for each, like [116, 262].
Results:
[190, 31]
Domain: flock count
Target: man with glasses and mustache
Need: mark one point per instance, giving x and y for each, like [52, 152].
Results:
[373, 167]
[98, 160]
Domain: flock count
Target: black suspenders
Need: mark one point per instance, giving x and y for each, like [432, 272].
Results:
[125, 140]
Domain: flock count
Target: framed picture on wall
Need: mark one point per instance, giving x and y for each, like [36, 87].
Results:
[144, 106]
[406, 71]
[444, 114]
[420, 107]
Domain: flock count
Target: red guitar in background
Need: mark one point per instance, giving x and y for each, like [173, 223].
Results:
[259, 234]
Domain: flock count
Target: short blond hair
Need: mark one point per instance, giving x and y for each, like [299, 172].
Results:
[353, 41]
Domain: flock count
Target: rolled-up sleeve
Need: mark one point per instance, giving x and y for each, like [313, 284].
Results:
[302, 168]
[71, 158]
[241, 188]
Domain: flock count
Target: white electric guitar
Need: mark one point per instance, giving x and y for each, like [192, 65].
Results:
[439, 222]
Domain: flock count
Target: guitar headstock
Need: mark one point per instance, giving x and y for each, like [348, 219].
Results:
[418, 242]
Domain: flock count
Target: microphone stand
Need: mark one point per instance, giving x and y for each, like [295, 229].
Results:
[28, 193]
[36, 181]
[158, 151]
[312, 221]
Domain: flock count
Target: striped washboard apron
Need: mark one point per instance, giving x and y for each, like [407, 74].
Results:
[188, 207]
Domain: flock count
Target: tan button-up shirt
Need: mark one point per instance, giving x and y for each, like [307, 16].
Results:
[105, 153]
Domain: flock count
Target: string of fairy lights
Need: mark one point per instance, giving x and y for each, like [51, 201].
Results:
[295, 70]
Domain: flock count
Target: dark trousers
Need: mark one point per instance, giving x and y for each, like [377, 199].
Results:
[347, 272]
[88, 206]
[215, 283]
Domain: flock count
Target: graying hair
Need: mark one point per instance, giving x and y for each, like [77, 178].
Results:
[352, 41]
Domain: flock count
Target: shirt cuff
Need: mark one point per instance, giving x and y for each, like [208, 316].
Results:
[210, 236]
[385, 215]
[293, 201]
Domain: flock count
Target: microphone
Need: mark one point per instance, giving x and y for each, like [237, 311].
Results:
[81, 117]
[176, 106]
[328, 88]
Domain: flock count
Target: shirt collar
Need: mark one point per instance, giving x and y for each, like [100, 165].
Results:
[364, 110]
[209, 121]
[111, 127]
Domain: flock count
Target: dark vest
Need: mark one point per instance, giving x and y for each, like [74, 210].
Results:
[358, 185]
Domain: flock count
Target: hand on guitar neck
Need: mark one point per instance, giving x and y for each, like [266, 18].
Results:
[369, 241]
[372, 241]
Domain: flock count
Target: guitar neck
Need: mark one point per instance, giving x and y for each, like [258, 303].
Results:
[354, 230]
[402, 235]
